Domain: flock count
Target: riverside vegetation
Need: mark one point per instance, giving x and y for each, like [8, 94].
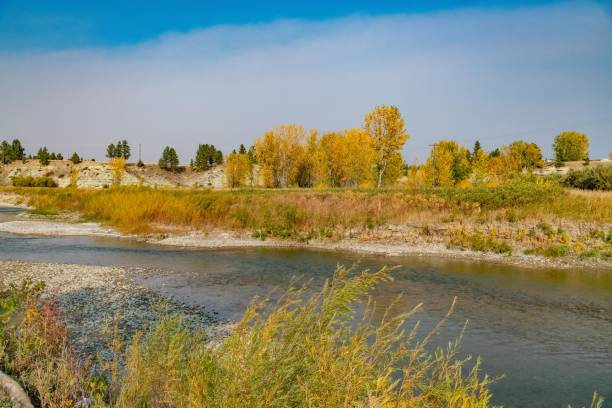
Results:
[526, 214]
[290, 353]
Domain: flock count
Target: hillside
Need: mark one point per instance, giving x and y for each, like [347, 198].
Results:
[94, 174]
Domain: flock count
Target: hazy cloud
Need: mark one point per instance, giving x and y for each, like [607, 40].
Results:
[493, 75]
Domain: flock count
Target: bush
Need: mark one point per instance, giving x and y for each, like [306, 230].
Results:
[29, 181]
[593, 178]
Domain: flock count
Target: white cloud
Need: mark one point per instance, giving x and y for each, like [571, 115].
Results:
[468, 74]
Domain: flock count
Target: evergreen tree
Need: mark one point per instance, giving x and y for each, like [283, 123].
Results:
[17, 150]
[125, 150]
[169, 159]
[252, 153]
[110, 151]
[495, 153]
[75, 158]
[206, 157]
[242, 149]
[43, 156]
[5, 152]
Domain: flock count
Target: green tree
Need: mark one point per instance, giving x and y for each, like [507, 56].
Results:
[17, 150]
[206, 157]
[385, 125]
[169, 159]
[252, 153]
[75, 158]
[43, 156]
[242, 149]
[6, 152]
[110, 151]
[571, 146]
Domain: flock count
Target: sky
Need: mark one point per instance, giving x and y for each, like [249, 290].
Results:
[78, 75]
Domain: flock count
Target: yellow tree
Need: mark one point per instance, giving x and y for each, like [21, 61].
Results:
[118, 169]
[385, 126]
[523, 156]
[238, 170]
[571, 146]
[279, 152]
[438, 167]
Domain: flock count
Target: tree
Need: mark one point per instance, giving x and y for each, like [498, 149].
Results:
[118, 170]
[206, 157]
[441, 166]
[523, 156]
[242, 149]
[347, 159]
[121, 150]
[252, 154]
[6, 152]
[43, 156]
[17, 150]
[495, 152]
[279, 153]
[110, 151]
[75, 158]
[571, 146]
[385, 126]
[238, 169]
[169, 159]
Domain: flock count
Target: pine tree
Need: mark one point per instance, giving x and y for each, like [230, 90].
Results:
[169, 159]
[43, 156]
[242, 149]
[110, 151]
[17, 150]
[75, 158]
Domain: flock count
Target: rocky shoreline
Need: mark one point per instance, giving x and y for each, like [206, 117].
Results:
[92, 298]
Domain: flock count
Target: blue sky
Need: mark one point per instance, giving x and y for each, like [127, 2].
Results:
[61, 23]
[77, 75]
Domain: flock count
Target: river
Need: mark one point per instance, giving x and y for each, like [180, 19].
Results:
[547, 331]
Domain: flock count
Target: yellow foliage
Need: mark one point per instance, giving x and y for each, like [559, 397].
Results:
[118, 169]
[238, 170]
[385, 126]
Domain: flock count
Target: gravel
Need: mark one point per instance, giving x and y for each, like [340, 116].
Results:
[90, 297]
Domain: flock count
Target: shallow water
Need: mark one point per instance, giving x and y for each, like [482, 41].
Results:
[549, 331]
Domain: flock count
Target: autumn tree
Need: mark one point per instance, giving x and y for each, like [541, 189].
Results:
[279, 153]
[439, 166]
[347, 159]
[169, 159]
[571, 146]
[238, 170]
[118, 170]
[385, 126]
[523, 156]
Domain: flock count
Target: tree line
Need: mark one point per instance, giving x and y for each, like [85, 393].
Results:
[365, 156]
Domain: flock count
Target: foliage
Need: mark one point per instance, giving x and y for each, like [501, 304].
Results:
[238, 170]
[10, 152]
[206, 157]
[169, 159]
[292, 353]
[35, 348]
[279, 153]
[347, 158]
[592, 178]
[524, 156]
[29, 181]
[119, 151]
[571, 146]
[118, 169]
[75, 158]
[385, 126]
[43, 156]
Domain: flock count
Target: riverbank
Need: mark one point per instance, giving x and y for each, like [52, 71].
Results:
[380, 244]
[93, 298]
[526, 222]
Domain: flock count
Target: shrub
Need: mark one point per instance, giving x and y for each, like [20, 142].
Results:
[593, 178]
[29, 181]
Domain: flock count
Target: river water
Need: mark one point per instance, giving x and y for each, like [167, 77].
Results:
[547, 331]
